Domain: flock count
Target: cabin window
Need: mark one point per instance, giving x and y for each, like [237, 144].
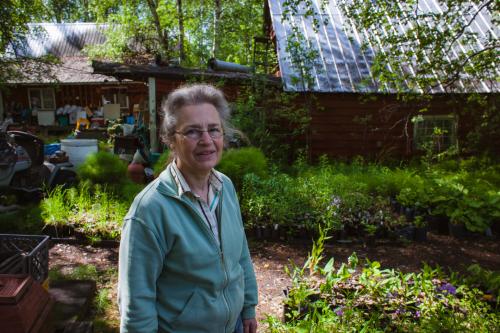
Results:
[42, 98]
[115, 96]
[438, 131]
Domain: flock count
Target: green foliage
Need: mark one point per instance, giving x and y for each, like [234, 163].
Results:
[486, 280]
[418, 50]
[155, 26]
[272, 120]
[361, 197]
[367, 298]
[30, 215]
[302, 53]
[103, 168]
[14, 18]
[428, 39]
[105, 314]
[161, 163]
[97, 211]
[236, 163]
[327, 195]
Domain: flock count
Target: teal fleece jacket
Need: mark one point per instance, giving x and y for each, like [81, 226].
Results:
[173, 276]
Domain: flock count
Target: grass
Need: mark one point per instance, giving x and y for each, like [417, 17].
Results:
[95, 210]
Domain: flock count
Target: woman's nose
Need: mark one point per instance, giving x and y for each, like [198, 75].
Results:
[205, 137]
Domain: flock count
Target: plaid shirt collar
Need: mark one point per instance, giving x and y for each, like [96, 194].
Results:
[213, 180]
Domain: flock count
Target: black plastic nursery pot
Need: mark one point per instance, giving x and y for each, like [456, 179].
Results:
[370, 240]
[303, 309]
[438, 224]
[421, 234]
[407, 232]
[457, 230]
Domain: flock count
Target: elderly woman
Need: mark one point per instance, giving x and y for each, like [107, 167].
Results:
[184, 262]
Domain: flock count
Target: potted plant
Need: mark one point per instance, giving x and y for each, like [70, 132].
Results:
[370, 231]
[420, 228]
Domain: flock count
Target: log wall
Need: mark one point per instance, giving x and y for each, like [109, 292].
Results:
[80, 95]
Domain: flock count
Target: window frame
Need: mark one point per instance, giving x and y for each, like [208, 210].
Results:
[418, 127]
[42, 98]
[115, 91]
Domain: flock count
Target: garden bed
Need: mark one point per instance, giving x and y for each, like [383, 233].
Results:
[270, 258]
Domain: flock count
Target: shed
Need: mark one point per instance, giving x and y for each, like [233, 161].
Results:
[71, 81]
[354, 115]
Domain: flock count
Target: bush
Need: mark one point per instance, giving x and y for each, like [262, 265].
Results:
[103, 168]
[161, 163]
[236, 163]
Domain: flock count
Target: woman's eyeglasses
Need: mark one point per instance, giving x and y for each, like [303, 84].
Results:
[196, 134]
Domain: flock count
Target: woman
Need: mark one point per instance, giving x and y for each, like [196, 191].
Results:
[184, 261]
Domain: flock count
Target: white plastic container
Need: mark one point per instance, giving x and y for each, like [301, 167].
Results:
[78, 149]
[46, 118]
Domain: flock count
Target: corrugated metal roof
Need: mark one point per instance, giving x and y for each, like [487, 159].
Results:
[65, 41]
[59, 39]
[341, 64]
[70, 70]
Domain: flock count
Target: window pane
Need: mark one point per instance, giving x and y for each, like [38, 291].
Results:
[437, 130]
[121, 98]
[107, 97]
[48, 101]
[35, 99]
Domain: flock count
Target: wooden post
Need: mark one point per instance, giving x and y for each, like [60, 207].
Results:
[153, 138]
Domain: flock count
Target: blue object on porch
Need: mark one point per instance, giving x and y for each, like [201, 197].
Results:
[51, 148]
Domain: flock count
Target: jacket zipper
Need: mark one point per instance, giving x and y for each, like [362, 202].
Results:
[219, 222]
[219, 248]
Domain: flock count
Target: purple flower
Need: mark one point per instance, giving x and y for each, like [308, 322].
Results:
[339, 312]
[448, 288]
[335, 201]
[417, 314]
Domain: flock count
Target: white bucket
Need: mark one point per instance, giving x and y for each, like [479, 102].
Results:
[78, 149]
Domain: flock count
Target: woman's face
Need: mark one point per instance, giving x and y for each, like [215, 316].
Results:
[198, 155]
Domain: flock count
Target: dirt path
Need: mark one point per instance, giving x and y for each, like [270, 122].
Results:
[270, 259]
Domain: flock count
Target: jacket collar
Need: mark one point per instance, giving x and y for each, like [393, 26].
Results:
[167, 185]
[183, 187]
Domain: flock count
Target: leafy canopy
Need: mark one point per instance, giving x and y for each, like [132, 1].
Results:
[420, 49]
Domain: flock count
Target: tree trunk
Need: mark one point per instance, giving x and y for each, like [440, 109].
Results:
[216, 40]
[162, 36]
[180, 14]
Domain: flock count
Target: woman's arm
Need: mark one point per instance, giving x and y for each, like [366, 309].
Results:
[140, 264]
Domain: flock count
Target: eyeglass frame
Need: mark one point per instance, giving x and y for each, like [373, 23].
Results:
[200, 133]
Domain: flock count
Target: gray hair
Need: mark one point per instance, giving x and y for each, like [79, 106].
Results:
[193, 95]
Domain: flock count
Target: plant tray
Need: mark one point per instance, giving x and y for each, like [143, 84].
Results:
[25, 254]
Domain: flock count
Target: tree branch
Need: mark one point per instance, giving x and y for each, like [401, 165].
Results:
[462, 30]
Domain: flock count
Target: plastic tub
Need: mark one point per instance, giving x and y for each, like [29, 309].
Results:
[78, 149]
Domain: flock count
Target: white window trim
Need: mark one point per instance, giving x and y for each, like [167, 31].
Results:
[123, 90]
[41, 98]
[117, 102]
[417, 122]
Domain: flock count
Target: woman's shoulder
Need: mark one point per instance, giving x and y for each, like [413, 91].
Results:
[223, 178]
[155, 195]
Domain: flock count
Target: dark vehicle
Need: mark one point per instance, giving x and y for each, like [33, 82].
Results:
[23, 169]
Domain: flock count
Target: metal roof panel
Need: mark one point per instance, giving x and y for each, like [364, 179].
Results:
[342, 65]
